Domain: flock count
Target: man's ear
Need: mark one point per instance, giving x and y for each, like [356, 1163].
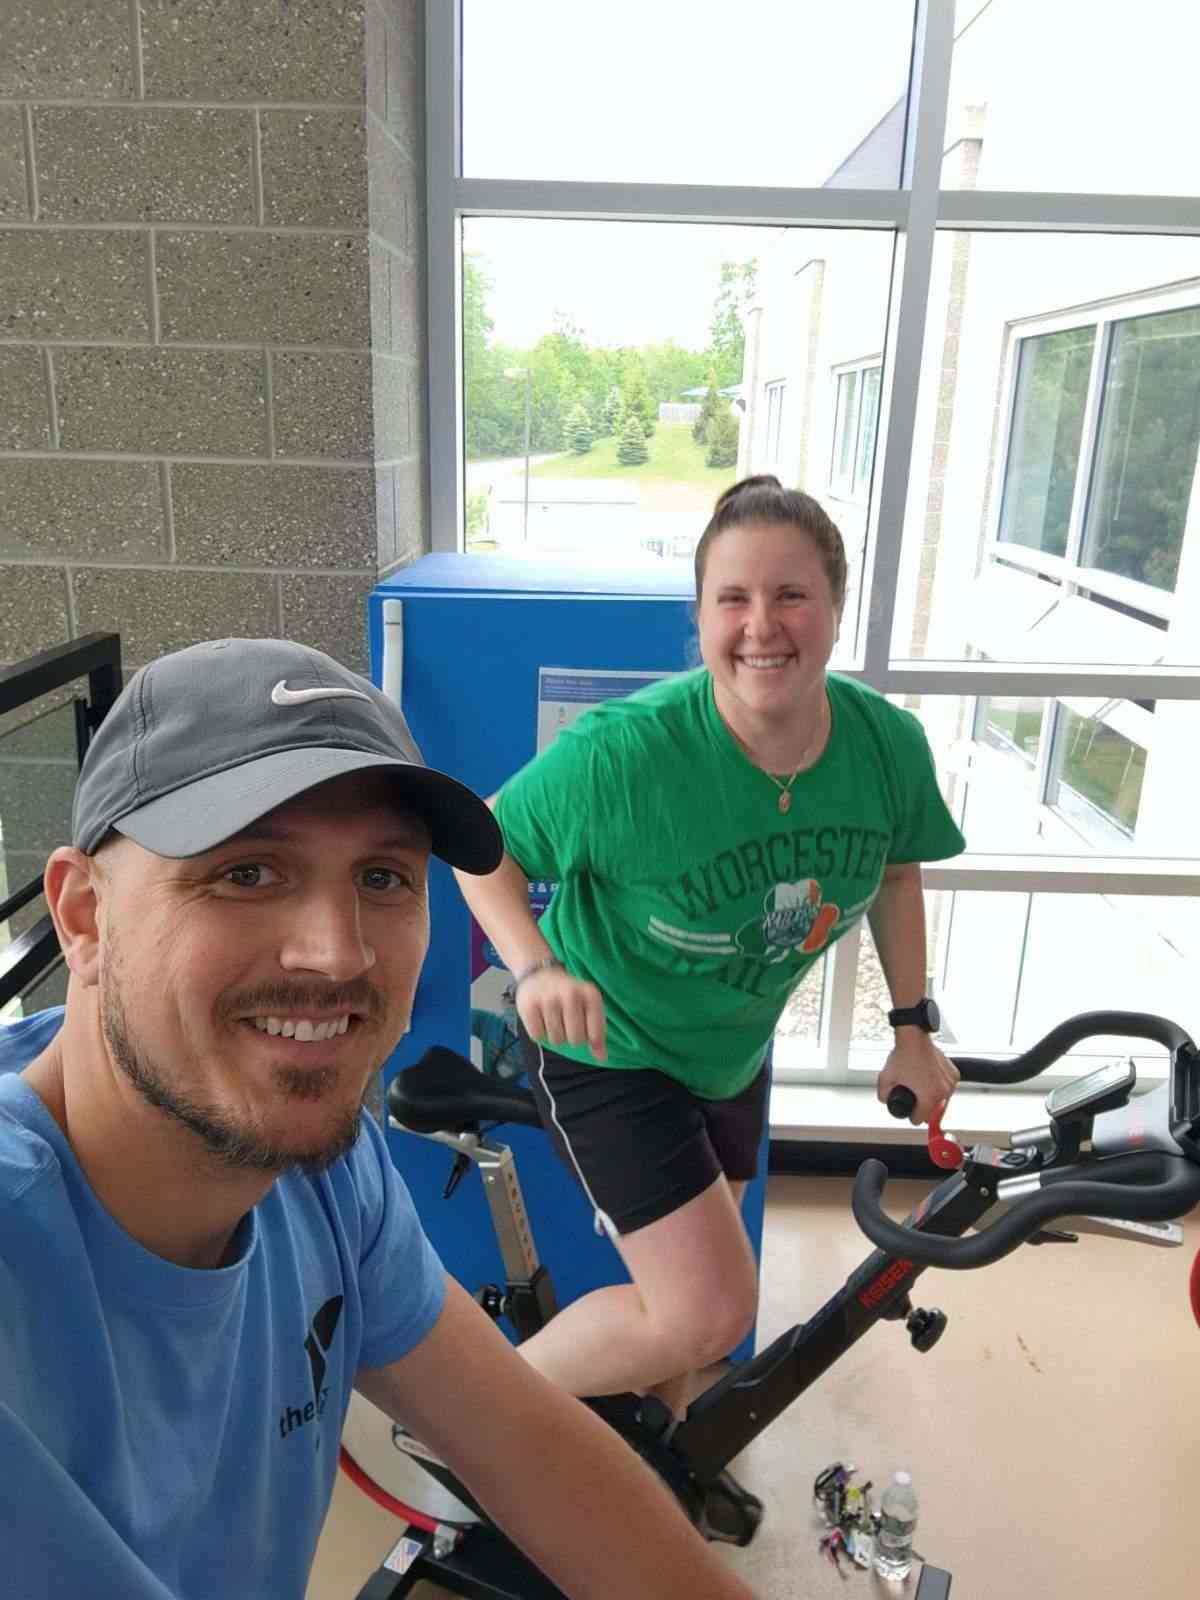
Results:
[71, 887]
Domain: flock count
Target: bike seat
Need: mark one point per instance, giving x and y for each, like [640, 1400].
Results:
[446, 1093]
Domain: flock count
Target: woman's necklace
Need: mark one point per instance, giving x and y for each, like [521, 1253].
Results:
[784, 785]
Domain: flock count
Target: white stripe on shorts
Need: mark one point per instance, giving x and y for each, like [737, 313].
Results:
[602, 1222]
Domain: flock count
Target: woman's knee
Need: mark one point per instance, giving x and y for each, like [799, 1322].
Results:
[707, 1327]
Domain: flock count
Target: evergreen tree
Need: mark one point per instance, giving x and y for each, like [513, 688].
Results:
[710, 408]
[614, 412]
[579, 432]
[638, 401]
[631, 451]
[723, 440]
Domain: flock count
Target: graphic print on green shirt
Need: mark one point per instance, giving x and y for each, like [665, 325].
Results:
[684, 894]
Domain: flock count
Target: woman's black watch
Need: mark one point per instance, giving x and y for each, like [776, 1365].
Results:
[924, 1015]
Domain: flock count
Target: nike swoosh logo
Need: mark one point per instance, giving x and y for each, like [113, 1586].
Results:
[281, 695]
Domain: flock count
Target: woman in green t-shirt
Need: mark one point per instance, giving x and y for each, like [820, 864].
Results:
[710, 836]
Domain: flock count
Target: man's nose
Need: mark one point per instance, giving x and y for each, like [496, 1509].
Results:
[326, 935]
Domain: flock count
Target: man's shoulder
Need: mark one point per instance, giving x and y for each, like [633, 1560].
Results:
[26, 1037]
[26, 1155]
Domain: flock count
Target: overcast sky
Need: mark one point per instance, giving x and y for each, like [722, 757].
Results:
[768, 92]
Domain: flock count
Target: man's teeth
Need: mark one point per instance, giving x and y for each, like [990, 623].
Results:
[303, 1030]
[765, 661]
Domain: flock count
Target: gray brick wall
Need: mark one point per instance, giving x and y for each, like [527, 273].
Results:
[212, 343]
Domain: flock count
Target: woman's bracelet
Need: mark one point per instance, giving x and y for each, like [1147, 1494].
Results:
[537, 966]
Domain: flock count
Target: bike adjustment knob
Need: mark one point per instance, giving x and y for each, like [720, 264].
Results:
[925, 1328]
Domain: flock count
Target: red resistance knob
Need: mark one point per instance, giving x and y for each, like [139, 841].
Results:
[1195, 1287]
[943, 1150]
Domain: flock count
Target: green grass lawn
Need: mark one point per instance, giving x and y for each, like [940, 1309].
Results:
[674, 478]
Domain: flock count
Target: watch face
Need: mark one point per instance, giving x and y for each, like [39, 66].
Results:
[933, 1017]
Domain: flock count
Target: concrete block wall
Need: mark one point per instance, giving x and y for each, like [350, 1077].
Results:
[212, 343]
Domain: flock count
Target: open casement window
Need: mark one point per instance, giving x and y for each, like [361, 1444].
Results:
[1102, 451]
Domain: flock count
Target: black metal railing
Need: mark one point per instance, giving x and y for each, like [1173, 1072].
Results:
[97, 657]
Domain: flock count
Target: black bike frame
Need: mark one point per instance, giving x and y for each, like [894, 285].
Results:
[482, 1565]
[727, 1417]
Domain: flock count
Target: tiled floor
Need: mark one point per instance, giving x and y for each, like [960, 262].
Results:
[1053, 1434]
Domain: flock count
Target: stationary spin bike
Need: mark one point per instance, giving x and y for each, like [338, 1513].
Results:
[1102, 1162]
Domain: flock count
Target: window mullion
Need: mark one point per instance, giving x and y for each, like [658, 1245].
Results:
[443, 277]
[837, 1021]
[1087, 452]
[991, 542]
[929, 95]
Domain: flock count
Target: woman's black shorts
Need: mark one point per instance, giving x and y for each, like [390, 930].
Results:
[639, 1142]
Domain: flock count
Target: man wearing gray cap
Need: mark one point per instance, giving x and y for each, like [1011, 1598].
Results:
[204, 1245]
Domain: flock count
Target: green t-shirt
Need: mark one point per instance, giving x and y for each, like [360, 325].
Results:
[684, 894]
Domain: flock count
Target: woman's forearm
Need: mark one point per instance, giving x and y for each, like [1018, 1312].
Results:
[500, 905]
[898, 925]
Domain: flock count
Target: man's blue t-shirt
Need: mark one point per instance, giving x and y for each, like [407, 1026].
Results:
[168, 1433]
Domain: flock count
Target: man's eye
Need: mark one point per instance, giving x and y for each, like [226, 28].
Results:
[381, 879]
[249, 875]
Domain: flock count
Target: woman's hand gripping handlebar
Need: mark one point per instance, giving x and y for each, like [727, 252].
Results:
[1137, 1184]
[944, 1151]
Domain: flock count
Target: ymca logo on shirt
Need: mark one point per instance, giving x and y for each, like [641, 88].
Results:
[317, 1344]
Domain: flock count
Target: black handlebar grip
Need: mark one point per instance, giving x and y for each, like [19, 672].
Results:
[901, 1102]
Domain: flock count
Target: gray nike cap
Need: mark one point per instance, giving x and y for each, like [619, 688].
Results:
[203, 742]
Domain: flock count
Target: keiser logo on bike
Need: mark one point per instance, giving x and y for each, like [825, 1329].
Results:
[316, 1346]
[887, 1280]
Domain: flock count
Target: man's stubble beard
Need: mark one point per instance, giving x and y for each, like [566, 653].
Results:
[239, 1147]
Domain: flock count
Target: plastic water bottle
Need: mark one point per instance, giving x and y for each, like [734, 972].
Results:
[898, 1518]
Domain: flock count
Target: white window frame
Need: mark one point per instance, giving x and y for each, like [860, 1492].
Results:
[846, 486]
[914, 213]
[1045, 767]
[1067, 568]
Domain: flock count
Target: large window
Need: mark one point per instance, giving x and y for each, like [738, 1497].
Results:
[939, 289]
[600, 400]
[705, 93]
[603, 408]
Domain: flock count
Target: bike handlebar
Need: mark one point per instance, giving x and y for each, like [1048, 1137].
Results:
[1139, 1186]
[1087, 1025]
[1142, 1188]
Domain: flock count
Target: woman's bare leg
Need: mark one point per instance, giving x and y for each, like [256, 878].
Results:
[692, 1299]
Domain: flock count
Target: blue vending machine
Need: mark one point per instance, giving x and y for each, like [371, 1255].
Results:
[490, 657]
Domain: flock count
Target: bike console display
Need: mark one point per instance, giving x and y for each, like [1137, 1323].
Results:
[1103, 1090]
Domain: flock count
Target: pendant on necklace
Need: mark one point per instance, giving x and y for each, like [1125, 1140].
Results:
[785, 801]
